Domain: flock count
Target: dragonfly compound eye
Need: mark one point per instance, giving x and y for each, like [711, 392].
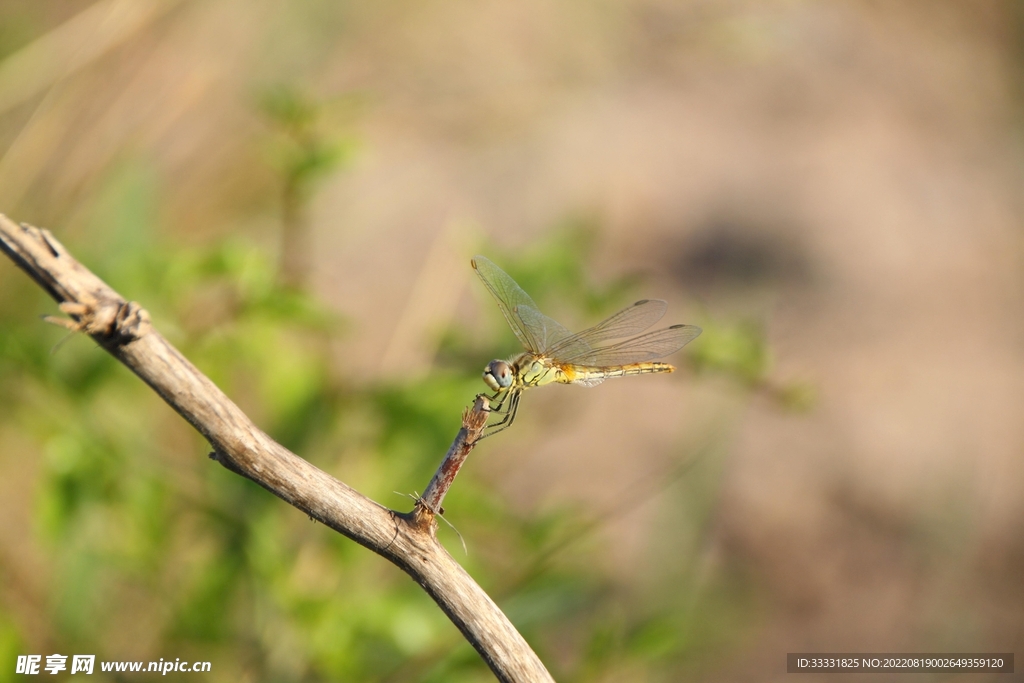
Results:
[498, 375]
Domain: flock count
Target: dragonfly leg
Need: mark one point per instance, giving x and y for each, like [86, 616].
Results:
[495, 402]
[508, 412]
[509, 416]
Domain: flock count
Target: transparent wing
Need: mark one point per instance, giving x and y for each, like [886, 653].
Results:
[628, 322]
[548, 333]
[510, 298]
[646, 347]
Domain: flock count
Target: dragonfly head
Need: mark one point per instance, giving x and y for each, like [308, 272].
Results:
[498, 375]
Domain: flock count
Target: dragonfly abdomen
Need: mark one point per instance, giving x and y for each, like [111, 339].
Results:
[581, 374]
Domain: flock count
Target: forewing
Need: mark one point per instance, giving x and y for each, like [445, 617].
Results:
[547, 332]
[510, 297]
[628, 322]
[646, 347]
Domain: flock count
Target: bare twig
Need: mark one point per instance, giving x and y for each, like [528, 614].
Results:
[473, 422]
[408, 540]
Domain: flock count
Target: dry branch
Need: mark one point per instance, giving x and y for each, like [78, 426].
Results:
[408, 540]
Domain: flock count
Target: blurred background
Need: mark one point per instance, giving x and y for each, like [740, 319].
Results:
[294, 190]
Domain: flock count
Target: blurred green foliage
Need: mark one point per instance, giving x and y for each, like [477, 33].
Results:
[153, 551]
[307, 146]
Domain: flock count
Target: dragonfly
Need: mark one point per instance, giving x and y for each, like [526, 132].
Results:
[616, 347]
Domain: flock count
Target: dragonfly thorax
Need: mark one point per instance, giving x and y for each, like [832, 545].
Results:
[498, 375]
